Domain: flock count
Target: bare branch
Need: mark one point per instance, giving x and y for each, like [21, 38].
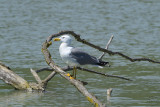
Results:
[107, 75]
[88, 70]
[44, 82]
[12, 78]
[50, 76]
[77, 37]
[107, 46]
[44, 69]
[18, 82]
[36, 76]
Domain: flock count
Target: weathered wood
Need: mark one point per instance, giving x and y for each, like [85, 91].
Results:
[12, 78]
[50, 76]
[36, 76]
[107, 46]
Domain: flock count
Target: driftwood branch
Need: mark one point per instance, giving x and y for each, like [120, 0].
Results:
[12, 78]
[44, 69]
[78, 38]
[50, 76]
[43, 83]
[78, 84]
[107, 46]
[107, 75]
[36, 76]
[87, 70]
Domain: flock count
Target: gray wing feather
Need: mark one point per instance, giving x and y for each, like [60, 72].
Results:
[83, 58]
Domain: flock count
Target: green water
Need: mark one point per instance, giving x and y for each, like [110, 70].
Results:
[135, 24]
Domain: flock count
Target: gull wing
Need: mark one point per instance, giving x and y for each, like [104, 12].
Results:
[82, 57]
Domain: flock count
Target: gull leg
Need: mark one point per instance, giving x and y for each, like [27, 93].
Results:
[73, 76]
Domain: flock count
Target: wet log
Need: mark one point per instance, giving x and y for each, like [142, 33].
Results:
[12, 78]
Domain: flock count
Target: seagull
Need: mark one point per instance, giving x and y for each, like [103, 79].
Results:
[74, 56]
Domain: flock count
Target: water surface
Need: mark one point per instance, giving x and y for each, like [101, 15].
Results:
[25, 24]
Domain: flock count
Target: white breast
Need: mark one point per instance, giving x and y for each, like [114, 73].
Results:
[65, 51]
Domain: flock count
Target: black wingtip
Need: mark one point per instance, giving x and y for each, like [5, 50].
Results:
[103, 63]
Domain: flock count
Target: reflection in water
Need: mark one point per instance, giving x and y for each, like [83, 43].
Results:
[18, 98]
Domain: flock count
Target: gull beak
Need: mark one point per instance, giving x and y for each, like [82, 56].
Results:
[56, 39]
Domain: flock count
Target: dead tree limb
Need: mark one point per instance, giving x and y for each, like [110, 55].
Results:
[76, 83]
[12, 78]
[50, 76]
[107, 46]
[44, 69]
[87, 70]
[107, 75]
[36, 76]
[78, 38]
[92, 71]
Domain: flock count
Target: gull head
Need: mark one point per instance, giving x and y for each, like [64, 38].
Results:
[64, 39]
